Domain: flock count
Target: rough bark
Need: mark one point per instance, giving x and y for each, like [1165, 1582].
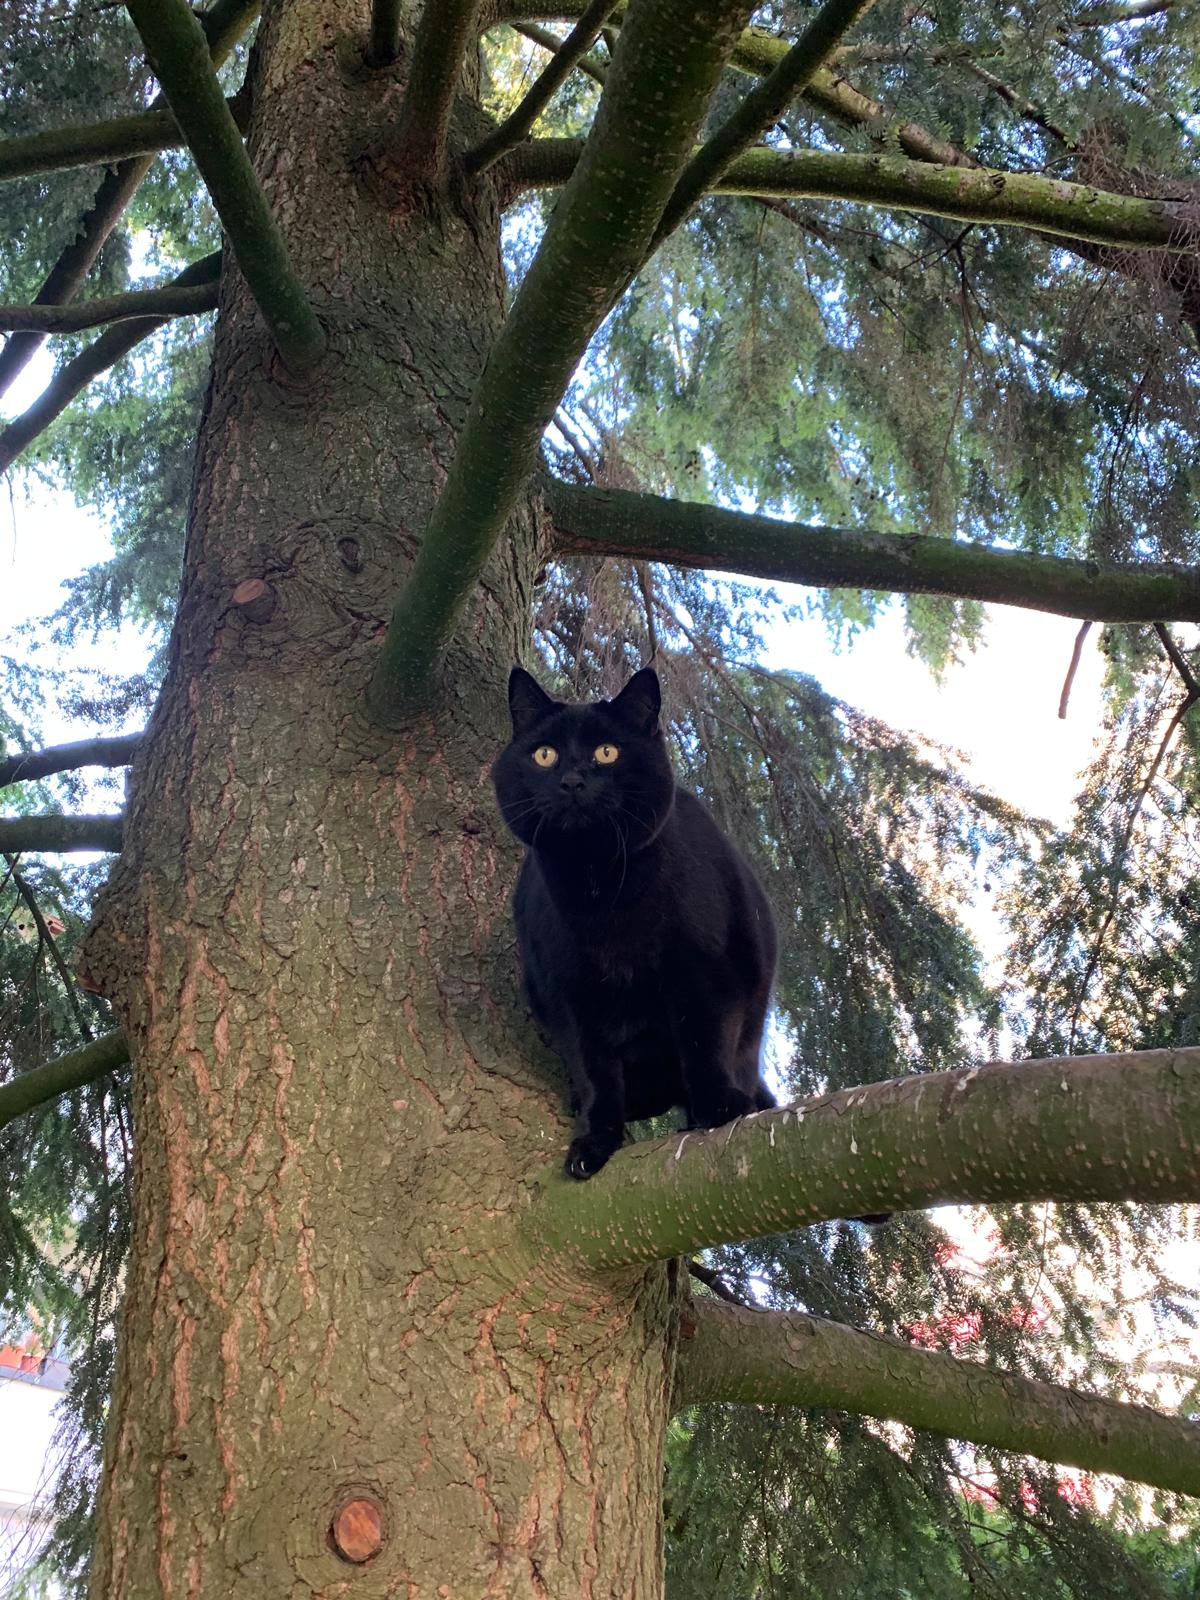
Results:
[340, 1106]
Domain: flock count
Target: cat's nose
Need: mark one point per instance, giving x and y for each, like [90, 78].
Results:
[571, 781]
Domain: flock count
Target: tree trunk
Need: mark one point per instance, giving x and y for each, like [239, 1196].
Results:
[340, 1107]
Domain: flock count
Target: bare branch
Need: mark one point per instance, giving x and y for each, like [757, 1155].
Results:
[113, 752]
[568, 55]
[104, 352]
[60, 835]
[1115, 1127]
[550, 41]
[443, 36]
[72, 1071]
[178, 52]
[619, 522]
[786, 1358]
[171, 300]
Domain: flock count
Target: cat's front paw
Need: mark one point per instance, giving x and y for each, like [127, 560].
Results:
[588, 1152]
[730, 1104]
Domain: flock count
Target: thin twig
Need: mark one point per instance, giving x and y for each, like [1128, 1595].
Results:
[715, 1282]
[1068, 682]
[550, 41]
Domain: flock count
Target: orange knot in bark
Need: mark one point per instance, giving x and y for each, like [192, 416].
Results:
[356, 1532]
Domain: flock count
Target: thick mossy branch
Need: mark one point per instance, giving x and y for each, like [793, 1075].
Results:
[762, 107]
[104, 352]
[776, 1358]
[109, 752]
[72, 1071]
[89, 144]
[1117, 1127]
[178, 52]
[567, 56]
[444, 34]
[966, 194]
[172, 300]
[617, 522]
[55, 835]
[667, 63]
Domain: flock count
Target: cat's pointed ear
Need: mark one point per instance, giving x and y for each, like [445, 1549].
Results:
[640, 700]
[527, 700]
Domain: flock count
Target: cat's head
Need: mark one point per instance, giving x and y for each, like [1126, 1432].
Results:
[595, 776]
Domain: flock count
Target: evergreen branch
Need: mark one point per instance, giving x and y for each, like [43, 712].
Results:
[551, 41]
[443, 35]
[104, 352]
[168, 301]
[761, 108]
[1104, 1127]
[750, 1356]
[222, 25]
[568, 55]
[112, 752]
[642, 527]
[60, 835]
[1070, 211]
[177, 50]
[26, 892]
[668, 60]
[383, 41]
[70, 1071]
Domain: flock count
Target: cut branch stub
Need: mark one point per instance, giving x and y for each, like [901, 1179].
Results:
[1115, 1127]
[358, 1529]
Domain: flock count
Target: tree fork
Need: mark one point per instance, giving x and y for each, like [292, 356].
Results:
[757, 1357]
[643, 527]
[1105, 1127]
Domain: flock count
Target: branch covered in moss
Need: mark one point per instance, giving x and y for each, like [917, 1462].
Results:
[71, 1071]
[89, 143]
[112, 752]
[171, 300]
[55, 835]
[762, 107]
[1116, 1127]
[667, 63]
[222, 26]
[966, 194]
[618, 522]
[178, 52]
[782, 1358]
[112, 345]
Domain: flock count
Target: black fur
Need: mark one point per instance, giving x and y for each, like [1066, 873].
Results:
[646, 940]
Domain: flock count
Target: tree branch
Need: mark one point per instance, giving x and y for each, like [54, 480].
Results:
[668, 60]
[104, 352]
[761, 108]
[1115, 1127]
[89, 144]
[383, 41]
[222, 26]
[770, 1357]
[71, 1071]
[643, 527]
[48, 939]
[966, 194]
[113, 752]
[168, 301]
[178, 52]
[568, 55]
[550, 41]
[55, 835]
[443, 35]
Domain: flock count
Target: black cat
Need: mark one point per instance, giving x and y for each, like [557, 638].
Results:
[646, 940]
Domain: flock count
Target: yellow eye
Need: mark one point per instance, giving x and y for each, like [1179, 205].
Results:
[606, 754]
[545, 755]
